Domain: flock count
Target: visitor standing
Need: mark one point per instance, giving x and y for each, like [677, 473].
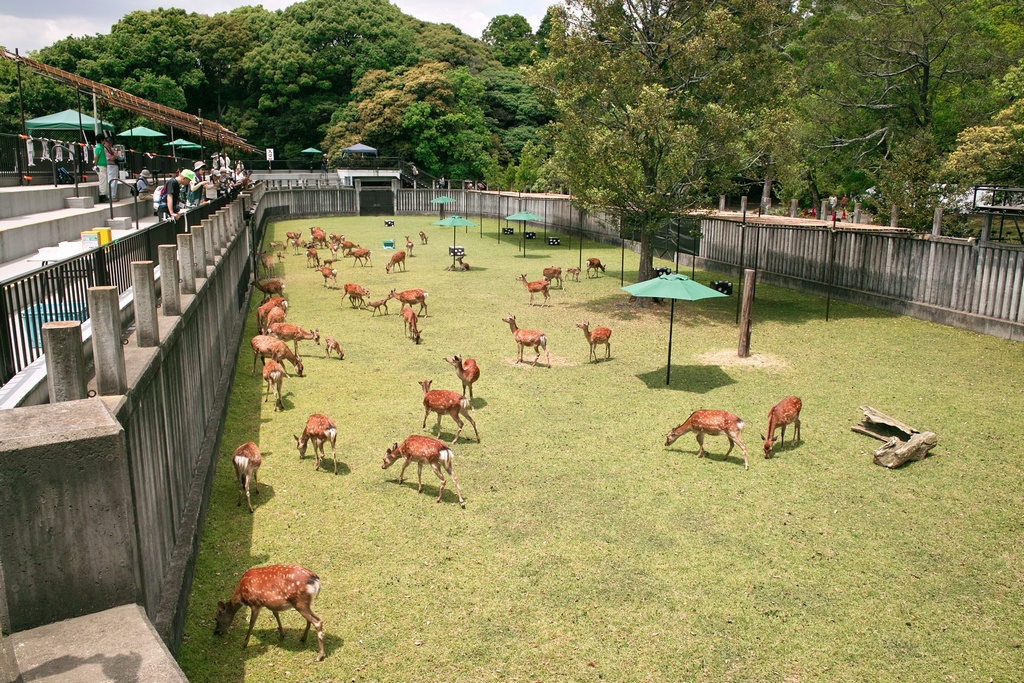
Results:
[196, 185]
[101, 168]
[170, 204]
[113, 171]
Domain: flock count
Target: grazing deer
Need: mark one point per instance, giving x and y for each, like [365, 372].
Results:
[408, 245]
[276, 245]
[449, 403]
[264, 346]
[553, 274]
[713, 422]
[336, 239]
[468, 371]
[272, 287]
[574, 273]
[319, 237]
[293, 333]
[420, 450]
[319, 429]
[378, 304]
[411, 327]
[785, 412]
[535, 339]
[599, 335]
[355, 294]
[362, 256]
[279, 588]
[274, 316]
[397, 259]
[312, 258]
[247, 461]
[330, 275]
[274, 374]
[412, 296]
[331, 344]
[535, 286]
[423, 237]
[594, 264]
[265, 308]
[293, 235]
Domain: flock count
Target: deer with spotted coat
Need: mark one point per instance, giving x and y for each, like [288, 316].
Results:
[535, 286]
[599, 335]
[448, 403]
[424, 450]
[274, 374]
[785, 412]
[355, 294]
[287, 332]
[247, 461]
[412, 296]
[468, 371]
[713, 422]
[535, 339]
[319, 429]
[264, 346]
[408, 245]
[411, 327]
[397, 259]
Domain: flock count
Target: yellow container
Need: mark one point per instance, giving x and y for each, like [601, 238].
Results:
[90, 240]
[105, 235]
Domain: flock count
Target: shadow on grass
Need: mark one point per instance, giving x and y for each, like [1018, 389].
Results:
[735, 458]
[258, 499]
[697, 379]
[478, 403]
[449, 497]
[264, 639]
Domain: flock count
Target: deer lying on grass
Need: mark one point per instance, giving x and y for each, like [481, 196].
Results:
[293, 333]
[279, 588]
[594, 264]
[423, 237]
[272, 287]
[448, 403]
[408, 245]
[535, 286]
[397, 259]
[330, 275]
[264, 346]
[274, 374]
[411, 328]
[265, 308]
[713, 422]
[573, 273]
[553, 274]
[331, 344]
[600, 335]
[535, 339]
[412, 296]
[319, 429]
[362, 256]
[785, 412]
[247, 460]
[468, 371]
[355, 294]
[420, 450]
[378, 304]
[312, 258]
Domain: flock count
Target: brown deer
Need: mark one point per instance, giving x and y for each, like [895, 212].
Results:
[423, 237]
[599, 335]
[468, 371]
[412, 296]
[319, 236]
[420, 450]
[535, 286]
[330, 275]
[335, 240]
[378, 304]
[713, 422]
[348, 247]
[361, 256]
[276, 245]
[267, 262]
[319, 429]
[397, 259]
[327, 263]
[594, 264]
[272, 287]
[535, 339]
[275, 315]
[553, 274]
[294, 235]
[293, 333]
[279, 588]
[334, 249]
[449, 403]
[411, 327]
[785, 412]
[274, 374]
[280, 256]
[265, 308]
[331, 344]
[355, 294]
[264, 346]
[296, 243]
[247, 461]
[312, 258]
[408, 245]
[573, 273]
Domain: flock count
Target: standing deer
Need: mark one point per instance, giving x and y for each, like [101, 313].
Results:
[574, 273]
[420, 450]
[331, 344]
[397, 259]
[535, 286]
[247, 461]
[293, 333]
[785, 412]
[296, 243]
[412, 296]
[600, 335]
[294, 235]
[449, 403]
[320, 429]
[408, 245]
[362, 256]
[411, 327]
[274, 315]
[279, 588]
[312, 258]
[553, 274]
[355, 294]
[319, 236]
[272, 287]
[348, 247]
[274, 374]
[265, 308]
[264, 346]
[468, 371]
[423, 237]
[713, 422]
[594, 264]
[330, 275]
[378, 304]
[335, 240]
[268, 263]
[535, 339]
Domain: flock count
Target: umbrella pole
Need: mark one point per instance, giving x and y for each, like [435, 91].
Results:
[671, 321]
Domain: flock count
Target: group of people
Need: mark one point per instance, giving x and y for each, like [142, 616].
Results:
[191, 187]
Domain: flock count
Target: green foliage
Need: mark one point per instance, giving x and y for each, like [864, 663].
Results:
[512, 39]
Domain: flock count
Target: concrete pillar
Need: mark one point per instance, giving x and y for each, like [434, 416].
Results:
[224, 230]
[199, 250]
[743, 204]
[219, 232]
[856, 212]
[721, 202]
[986, 229]
[170, 292]
[147, 325]
[65, 361]
[107, 351]
[208, 246]
[824, 210]
[186, 261]
[894, 217]
[794, 204]
[937, 221]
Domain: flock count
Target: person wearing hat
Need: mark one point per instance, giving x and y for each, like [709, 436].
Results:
[143, 182]
[196, 184]
[170, 205]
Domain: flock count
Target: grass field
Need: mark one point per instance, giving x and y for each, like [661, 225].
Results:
[587, 550]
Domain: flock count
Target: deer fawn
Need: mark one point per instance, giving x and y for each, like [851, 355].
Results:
[287, 332]
[448, 403]
[408, 245]
[412, 296]
[378, 304]
[785, 412]
[574, 273]
[553, 274]
[355, 294]
[319, 429]
[713, 422]
[423, 449]
[600, 335]
[535, 286]
[247, 463]
[265, 346]
[594, 264]
[423, 237]
[535, 339]
[279, 588]
[274, 374]
[362, 256]
[330, 274]
[331, 344]
[272, 287]
[397, 259]
[468, 371]
[411, 327]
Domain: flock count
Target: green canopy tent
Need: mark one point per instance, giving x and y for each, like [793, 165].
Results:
[69, 119]
[311, 150]
[522, 217]
[455, 222]
[441, 201]
[181, 143]
[141, 132]
[672, 286]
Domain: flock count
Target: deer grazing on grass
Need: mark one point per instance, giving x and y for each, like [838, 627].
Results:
[312, 258]
[599, 335]
[573, 273]
[397, 259]
[319, 236]
[247, 461]
[412, 296]
[331, 344]
[272, 287]
[293, 333]
[468, 371]
[293, 235]
[319, 429]
[424, 450]
[594, 264]
[713, 422]
[535, 339]
[276, 245]
[361, 256]
[279, 588]
[553, 274]
[411, 328]
[264, 346]
[449, 403]
[355, 294]
[408, 245]
[265, 308]
[378, 304]
[330, 275]
[274, 315]
[423, 237]
[535, 286]
[274, 374]
[785, 412]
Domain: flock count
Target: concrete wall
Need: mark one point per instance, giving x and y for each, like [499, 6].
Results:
[25, 238]
[40, 198]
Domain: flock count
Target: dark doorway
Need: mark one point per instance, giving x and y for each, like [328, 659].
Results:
[376, 200]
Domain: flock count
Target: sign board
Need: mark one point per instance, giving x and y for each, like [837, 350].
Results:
[270, 153]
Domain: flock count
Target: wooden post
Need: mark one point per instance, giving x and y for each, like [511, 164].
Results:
[894, 217]
[794, 204]
[721, 203]
[748, 305]
[937, 222]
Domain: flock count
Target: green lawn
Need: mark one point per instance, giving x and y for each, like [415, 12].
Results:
[588, 550]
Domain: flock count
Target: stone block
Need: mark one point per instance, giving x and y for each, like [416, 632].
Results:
[79, 202]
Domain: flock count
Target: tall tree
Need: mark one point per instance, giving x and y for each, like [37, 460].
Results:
[512, 39]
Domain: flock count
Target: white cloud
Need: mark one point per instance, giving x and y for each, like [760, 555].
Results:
[33, 33]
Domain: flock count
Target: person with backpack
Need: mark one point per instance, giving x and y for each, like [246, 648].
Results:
[169, 205]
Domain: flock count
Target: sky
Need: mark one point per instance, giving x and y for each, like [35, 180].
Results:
[27, 26]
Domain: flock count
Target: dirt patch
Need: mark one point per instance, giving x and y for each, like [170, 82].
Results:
[556, 361]
[728, 358]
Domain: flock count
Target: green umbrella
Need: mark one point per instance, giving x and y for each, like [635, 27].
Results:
[441, 201]
[141, 132]
[524, 216]
[311, 150]
[455, 222]
[181, 143]
[672, 286]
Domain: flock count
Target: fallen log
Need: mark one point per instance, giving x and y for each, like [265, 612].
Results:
[896, 451]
